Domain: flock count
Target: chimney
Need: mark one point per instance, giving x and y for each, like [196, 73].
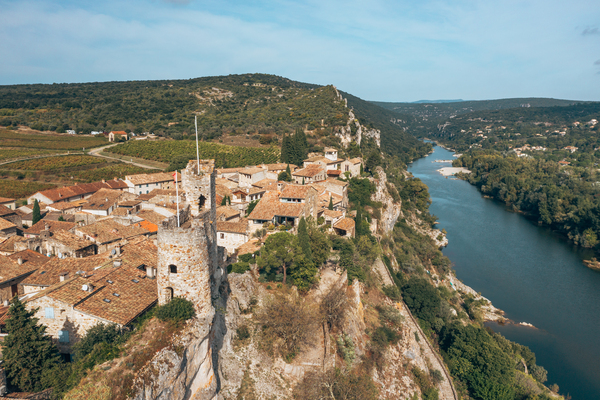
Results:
[63, 276]
[20, 260]
[106, 199]
[117, 263]
[5, 303]
[46, 226]
[150, 272]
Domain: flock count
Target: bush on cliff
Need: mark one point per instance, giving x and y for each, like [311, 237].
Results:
[178, 309]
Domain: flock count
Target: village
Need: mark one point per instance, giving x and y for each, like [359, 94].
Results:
[92, 257]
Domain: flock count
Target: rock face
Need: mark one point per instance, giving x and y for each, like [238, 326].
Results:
[391, 210]
[354, 131]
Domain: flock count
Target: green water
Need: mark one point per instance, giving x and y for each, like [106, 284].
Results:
[531, 273]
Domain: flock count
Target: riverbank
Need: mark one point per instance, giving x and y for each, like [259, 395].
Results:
[451, 171]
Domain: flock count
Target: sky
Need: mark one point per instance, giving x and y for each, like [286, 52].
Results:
[377, 50]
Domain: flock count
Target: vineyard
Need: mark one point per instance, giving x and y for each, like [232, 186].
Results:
[224, 156]
[21, 189]
[11, 138]
[110, 172]
[10, 154]
[54, 163]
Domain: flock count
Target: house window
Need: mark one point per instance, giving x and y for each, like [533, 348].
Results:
[49, 311]
[63, 336]
[222, 236]
[173, 269]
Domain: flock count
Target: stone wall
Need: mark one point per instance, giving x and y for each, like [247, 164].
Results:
[199, 188]
[65, 318]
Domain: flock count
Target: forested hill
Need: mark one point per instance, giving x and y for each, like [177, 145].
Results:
[437, 110]
[253, 104]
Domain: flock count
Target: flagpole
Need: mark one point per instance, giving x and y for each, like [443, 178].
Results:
[177, 196]
[197, 151]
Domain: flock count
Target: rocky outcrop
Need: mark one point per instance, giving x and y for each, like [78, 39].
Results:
[354, 131]
[390, 210]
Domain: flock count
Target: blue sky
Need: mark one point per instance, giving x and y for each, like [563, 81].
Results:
[377, 50]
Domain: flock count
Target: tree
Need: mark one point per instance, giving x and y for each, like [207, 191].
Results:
[27, 351]
[277, 253]
[284, 176]
[304, 240]
[36, 212]
[330, 207]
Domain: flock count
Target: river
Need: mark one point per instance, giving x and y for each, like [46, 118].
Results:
[531, 273]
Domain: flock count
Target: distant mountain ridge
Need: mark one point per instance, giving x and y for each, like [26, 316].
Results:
[447, 109]
[437, 101]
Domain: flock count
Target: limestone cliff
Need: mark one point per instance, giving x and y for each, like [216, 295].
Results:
[354, 130]
[391, 209]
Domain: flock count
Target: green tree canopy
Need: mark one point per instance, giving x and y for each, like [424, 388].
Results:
[27, 351]
[36, 213]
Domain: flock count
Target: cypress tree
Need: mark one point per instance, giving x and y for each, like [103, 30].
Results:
[36, 213]
[330, 203]
[358, 222]
[285, 149]
[288, 170]
[27, 351]
[304, 240]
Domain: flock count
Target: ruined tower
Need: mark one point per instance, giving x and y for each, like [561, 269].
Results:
[187, 254]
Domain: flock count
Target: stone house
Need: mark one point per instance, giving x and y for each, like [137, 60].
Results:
[248, 176]
[310, 174]
[344, 227]
[8, 203]
[331, 153]
[7, 247]
[338, 187]
[145, 183]
[352, 166]
[107, 233]
[47, 225]
[103, 202]
[76, 192]
[7, 229]
[13, 270]
[59, 243]
[227, 214]
[109, 295]
[272, 210]
[115, 136]
[10, 214]
[232, 235]
[325, 162]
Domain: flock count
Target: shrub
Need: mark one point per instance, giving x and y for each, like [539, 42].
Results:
[392, 292]
[178, 309]
[243, 332]
[389, 314]
[245, 257]
[239, 267]
[99, 333]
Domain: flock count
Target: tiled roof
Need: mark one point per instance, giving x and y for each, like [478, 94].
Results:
[227, 212]
[228, 170]
[120, 212]
[129, 203]
[37, 228]
[270, 206]
[251, 171]
[122, 133]
[66, 205]
[147, 225]
[156, 192]
[5, 224]
[70, 240]
[63, 193]
[103, 199]
[143, 179]
[31, 259]
[49, 273]
[107, 230]
[279, 166]
[6, 200]
[10, 269]
[5, 210]
[330, 149]
[8, 245]
[151, 216]
[324, 199]
[345, 224]
[332, 213]
[249, 247]
[292, 191]
[233, 227]
[264, 183]
[310, 171]
[356, 160]
[337, 182]
[334, 172]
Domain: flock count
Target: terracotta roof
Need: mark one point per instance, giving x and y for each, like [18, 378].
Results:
[334, 172]
[70, 240]
[129, 203]
[336, 182]
[270, 206]
[292, 191]
[324, 199]
[279, 166]
[151, 216]
[6, 200]
[249, 247]
[264, 183]
[233, 227]
[107, 230]
[3, 315]
[30, 258]
[10, 269]
[8, 245]
[356, 160]
[147, 225]
[122, 133]
[227, 212]
[228, 170]
[66, 205]
[310, 171]
[103, 199]
[66, 192]
[345, 224]
[156, 192]
[142, 179]
[37, 228]
[251, 170]
[5, 224]
[332, 213]
[321, 159]
[120, 212]
[49, 273]
[318, 187]
[330, 149]
[5, 210]
[225, 182]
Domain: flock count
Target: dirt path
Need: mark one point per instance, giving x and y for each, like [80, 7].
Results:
[97, 152]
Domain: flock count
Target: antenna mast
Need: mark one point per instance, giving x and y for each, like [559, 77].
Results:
[197, 151]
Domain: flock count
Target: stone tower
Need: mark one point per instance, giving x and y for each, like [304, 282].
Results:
[187, 254]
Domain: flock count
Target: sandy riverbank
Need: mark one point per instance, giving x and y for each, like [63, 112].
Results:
[449, 171]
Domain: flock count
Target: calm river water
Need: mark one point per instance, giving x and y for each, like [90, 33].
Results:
[527, 271]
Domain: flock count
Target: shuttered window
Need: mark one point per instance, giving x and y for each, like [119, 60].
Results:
[63, 336]
[49, 312]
